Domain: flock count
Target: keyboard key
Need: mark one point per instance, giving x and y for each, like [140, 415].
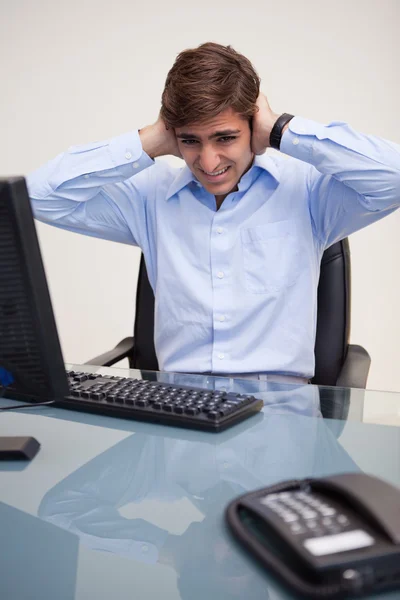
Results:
[296, 528]
[342, 520]
[142, 402]
[327, 511]
[308, 514]
[289, 517]
[213, 414]
[81, 378]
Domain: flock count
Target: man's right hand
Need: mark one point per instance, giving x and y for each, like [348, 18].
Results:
[157, 140]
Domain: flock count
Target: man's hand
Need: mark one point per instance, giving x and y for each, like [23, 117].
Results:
[157, 140]
[263, 122]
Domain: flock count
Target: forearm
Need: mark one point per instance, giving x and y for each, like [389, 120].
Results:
[366, 164]
[93, 189]
[78, 173]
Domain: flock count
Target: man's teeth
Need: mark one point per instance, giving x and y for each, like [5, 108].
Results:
[217, 173]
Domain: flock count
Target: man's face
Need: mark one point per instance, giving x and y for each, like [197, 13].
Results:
[217, 151]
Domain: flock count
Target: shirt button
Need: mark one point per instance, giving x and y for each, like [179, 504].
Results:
[221, 356]
[296, 141]
[128, 155]
[221, 318]
[145, 548]
[219, 230]
[220, 275]
[86, 176]
[135, 165]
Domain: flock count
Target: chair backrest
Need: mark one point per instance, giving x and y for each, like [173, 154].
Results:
[333, 319]
[333, 314]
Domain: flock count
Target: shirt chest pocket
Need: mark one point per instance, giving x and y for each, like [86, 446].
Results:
[270, 256]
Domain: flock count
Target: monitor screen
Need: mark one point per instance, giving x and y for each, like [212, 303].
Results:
[31, 361]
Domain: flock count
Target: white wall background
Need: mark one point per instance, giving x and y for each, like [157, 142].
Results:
[85, 70]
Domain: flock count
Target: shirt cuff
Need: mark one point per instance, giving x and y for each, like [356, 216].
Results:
[126, 149]
[298, 139]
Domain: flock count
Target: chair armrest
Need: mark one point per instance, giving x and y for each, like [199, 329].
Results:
[354, 372]
[121, 350]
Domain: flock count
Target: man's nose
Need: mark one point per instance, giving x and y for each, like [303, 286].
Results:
[209, 160]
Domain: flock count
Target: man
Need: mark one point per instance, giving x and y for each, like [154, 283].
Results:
[232, 241]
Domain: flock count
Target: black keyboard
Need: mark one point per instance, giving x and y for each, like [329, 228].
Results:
[157, 402]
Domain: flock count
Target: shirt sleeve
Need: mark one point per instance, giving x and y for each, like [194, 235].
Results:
[88, 501]
[97, 189]
[101, 527]
[355, 179]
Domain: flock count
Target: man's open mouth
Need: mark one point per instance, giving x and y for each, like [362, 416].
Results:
[215, 175]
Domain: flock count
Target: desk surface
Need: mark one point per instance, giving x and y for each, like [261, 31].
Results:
[120, 509]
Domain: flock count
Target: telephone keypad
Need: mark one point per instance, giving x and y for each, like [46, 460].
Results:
[306, 513]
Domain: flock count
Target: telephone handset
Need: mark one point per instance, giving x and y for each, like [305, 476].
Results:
[333, 537]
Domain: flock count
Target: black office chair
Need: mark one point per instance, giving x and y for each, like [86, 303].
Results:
[338, 363]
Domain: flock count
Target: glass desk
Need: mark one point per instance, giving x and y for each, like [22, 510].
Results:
[121, 509]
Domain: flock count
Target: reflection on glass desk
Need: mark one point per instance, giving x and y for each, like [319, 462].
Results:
[368, 406]
[123, 509]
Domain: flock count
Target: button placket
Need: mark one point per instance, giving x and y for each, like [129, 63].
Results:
[221, 276]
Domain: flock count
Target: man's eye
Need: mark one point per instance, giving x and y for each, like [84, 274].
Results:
[227, 138]
[189, 142]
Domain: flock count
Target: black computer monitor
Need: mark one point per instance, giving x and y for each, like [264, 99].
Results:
[31, 361]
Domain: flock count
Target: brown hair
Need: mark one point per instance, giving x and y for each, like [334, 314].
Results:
[207, 80]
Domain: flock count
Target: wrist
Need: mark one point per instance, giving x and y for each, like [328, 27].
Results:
[267, 128]
[151, 143]
[274, 118]
[280, 126]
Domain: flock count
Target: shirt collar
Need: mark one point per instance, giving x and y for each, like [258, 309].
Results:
[184, 177]
[264, 161]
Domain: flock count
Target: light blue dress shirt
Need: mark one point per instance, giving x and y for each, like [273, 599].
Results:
[235, 288]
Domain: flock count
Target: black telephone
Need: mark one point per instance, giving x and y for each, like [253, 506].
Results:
[334, 537]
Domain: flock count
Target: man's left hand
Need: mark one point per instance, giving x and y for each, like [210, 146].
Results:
[263, 122]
